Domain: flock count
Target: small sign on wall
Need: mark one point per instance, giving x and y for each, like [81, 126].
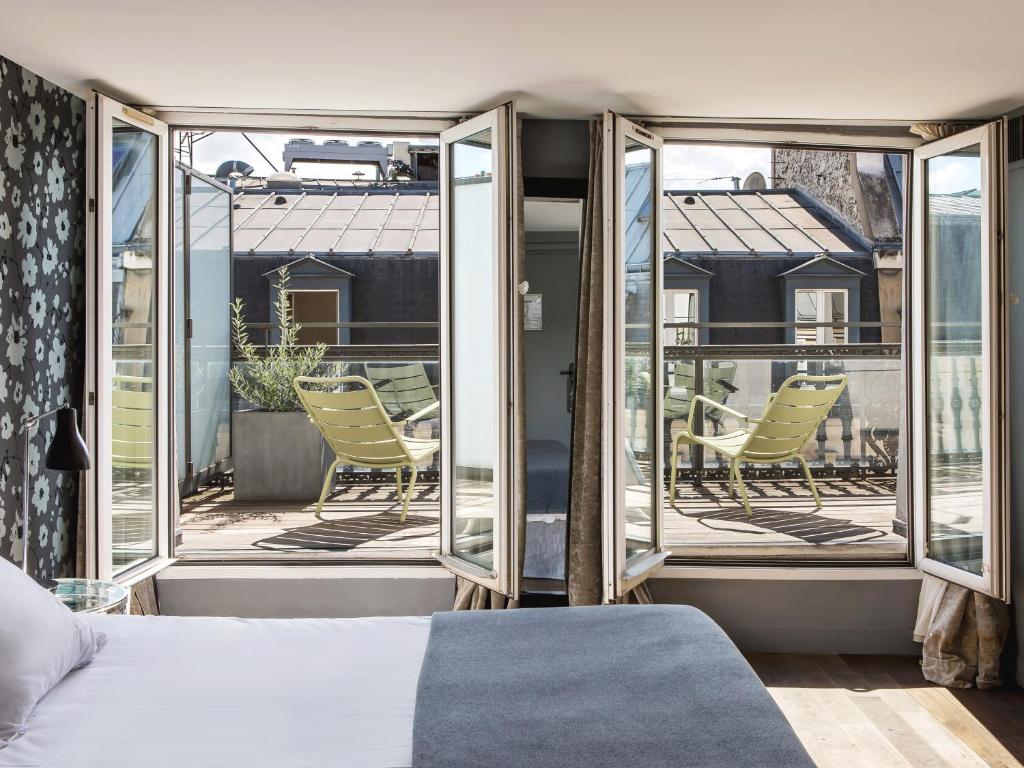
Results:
[533, 318]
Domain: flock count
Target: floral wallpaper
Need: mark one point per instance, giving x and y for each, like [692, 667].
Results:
[42, 314]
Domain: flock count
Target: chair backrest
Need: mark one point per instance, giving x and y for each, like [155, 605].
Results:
[792, 415]
[131, 422]
[403, 388]
[718, 380]
[352, 419]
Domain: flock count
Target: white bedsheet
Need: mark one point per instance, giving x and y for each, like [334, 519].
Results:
[172, 692]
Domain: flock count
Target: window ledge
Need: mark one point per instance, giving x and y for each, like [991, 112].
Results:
[789, 573]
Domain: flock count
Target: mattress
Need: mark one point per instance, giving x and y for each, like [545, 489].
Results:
[167, 692]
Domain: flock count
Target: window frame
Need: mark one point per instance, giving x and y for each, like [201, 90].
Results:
[185, 118]
[995, 576]
[622, 574]
[695, 294]
[819, 332]
[504, 574]
[889, 137]
[101, 111]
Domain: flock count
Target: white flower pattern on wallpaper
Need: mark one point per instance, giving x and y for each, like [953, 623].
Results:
[42, 143]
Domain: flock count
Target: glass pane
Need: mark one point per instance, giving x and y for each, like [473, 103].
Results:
[836, 305]
[473, 350]
[955, 403]
[133, 293]
[638, 278]
[680, 307]
[806, 307]
[209, 268]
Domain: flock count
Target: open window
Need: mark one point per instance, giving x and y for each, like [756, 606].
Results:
[633, 344]
[478, 291]
[128, 491]
[960, 483]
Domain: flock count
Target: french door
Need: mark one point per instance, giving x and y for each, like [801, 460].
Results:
[478, 291]
[959, 286]
[633, 463]
[128, 283]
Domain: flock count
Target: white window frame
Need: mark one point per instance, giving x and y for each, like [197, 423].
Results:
[504, 575]
[669, 296]
[183, 118]
[822, 313]
[869, 136]
[994, 579]
[101, 111]
[619, 574]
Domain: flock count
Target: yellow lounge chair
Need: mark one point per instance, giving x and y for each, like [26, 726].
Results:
[790, 417]
[357, 427]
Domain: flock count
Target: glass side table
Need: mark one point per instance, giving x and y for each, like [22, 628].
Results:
[91, 596]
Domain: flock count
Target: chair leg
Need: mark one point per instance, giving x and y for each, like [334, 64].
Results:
[328, 487]
[743, 487]
[732, 479]
[672, 470]
[398, 481]
[810, 480]
[408, 494]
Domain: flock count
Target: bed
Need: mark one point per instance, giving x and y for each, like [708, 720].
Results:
[568, 689]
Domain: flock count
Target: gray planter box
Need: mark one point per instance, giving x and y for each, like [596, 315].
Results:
[278, 457]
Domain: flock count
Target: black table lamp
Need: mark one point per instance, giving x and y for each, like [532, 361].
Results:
[67, 452]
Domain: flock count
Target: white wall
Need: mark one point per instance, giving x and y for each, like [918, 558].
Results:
[284, 592]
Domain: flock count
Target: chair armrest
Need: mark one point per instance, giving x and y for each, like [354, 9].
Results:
[423, 412]
[714, 406]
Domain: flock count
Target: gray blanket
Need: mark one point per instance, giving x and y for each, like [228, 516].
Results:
[616, 686]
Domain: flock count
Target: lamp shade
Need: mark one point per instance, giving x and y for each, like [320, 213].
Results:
[67, 449]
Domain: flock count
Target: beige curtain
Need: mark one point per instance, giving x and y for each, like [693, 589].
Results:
[933, 131]
[470, 596]
[583, 531]
[963, 634]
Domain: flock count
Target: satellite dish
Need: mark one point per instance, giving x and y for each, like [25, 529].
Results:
[755, 181]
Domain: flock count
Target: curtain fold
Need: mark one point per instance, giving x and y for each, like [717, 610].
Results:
[583, 568]
[962, 634]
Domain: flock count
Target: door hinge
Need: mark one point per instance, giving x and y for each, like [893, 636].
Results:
[188, 327]
[92, 205]
[92, 398]
[188, 184]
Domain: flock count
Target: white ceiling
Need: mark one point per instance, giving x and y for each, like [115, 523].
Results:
[873, 59]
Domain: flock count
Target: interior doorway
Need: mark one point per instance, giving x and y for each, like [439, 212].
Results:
[552, 229]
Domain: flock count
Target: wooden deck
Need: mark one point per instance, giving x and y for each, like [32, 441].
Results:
[879, 712]
[361, 521]
[855, 520]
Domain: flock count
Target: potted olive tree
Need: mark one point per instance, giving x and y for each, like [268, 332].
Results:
[278, 453]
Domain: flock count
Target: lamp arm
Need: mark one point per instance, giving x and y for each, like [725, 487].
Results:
[31, 421]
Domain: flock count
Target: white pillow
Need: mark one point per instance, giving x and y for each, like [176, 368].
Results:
[40, 642]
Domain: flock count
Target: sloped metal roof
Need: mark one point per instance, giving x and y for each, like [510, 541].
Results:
[963, 204]
[754, 223]
[347, 220]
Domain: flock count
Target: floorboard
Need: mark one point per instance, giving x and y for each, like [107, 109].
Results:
[878, 711]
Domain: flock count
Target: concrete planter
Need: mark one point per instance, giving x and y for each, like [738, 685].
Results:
[277, 456]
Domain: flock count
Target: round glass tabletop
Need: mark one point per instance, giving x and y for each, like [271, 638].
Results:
[90, 596]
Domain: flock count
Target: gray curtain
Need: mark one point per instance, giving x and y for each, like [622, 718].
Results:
[962, 634]
[583, 531]
[470, 596]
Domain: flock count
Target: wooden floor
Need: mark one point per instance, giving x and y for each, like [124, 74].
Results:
[878, 711]
[362, 520]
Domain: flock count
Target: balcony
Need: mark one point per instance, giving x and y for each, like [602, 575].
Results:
[853, 456]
